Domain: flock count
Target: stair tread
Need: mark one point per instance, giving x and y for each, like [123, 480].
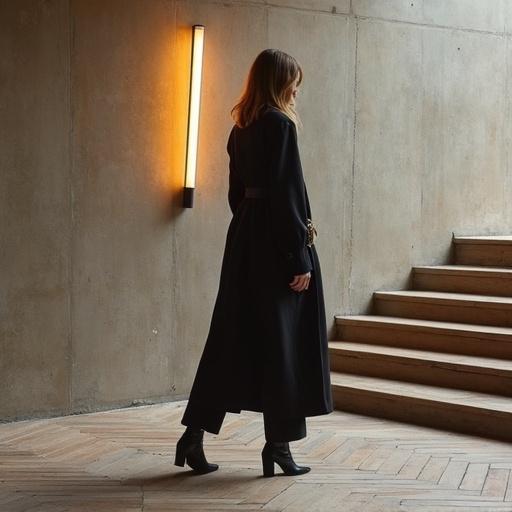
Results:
[465, 270]
[418, 323]
[425, 355]
[484, 401]
[482, 239]
[427, 296]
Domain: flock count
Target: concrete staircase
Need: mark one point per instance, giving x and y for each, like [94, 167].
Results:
[438, 355]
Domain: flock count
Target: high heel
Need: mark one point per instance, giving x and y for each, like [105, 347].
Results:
[279, 452]
[268, 464]
[189, 449]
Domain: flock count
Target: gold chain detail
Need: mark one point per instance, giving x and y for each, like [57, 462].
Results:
[312, 233]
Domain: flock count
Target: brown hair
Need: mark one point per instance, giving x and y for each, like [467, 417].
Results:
[268, 82]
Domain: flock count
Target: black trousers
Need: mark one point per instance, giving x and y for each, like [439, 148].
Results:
[199, 416]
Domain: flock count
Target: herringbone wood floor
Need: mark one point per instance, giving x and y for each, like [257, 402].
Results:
[122, 460]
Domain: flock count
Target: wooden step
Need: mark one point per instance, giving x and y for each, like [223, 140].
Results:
[482, 374]
[452, 409]
[483, 250]
[460, 338]
[443, 306]
[463, 279]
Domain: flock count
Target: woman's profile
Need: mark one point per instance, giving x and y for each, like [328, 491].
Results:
[266, 349]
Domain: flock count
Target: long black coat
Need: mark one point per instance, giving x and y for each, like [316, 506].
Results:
[266, 349]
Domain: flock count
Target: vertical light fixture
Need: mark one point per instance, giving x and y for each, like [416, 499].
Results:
[194, 103]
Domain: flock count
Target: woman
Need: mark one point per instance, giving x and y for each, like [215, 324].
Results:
[266, 349]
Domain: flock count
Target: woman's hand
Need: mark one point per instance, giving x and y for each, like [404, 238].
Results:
[300, 282]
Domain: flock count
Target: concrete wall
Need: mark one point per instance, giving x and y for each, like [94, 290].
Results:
[107, 284]
[432, 134]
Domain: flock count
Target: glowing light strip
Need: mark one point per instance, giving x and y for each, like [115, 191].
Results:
[194, 105]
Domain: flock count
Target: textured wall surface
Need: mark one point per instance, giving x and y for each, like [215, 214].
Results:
[35, 209]
[108, 285]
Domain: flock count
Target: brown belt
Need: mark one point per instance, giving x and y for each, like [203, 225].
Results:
[255, 192]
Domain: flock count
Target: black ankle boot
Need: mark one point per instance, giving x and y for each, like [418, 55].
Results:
[279, 452]
[190, 449]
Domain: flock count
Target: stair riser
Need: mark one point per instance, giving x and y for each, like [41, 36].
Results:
[423, 412]
[421, 372]
[463, 284]
[434, 341]
[480, 314]
[498, 255]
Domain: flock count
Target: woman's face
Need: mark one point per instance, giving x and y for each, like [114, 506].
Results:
[293, 95]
